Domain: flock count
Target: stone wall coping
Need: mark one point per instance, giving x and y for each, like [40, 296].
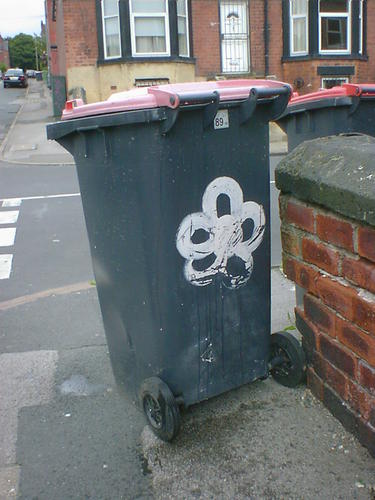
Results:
[336, 172]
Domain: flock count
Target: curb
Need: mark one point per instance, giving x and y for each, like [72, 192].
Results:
[6, 138]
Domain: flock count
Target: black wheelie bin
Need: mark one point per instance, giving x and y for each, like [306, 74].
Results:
[175, 186]
[347, 109]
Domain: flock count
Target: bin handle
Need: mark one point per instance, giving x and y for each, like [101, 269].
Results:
[96, 128]
[368, 90]
[174, 100]
[248, 106]
[354, 106]
[210, 99]
[280, 96]
[210, 110]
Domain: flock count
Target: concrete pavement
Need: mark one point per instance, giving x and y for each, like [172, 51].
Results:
[26, 141]
[260, 441]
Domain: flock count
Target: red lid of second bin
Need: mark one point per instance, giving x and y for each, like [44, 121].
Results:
[345, 90]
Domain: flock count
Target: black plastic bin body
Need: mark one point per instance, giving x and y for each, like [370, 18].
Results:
[346, 109]
[162, 187]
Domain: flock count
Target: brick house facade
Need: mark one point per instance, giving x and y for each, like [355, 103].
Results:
[103, 46]
[4, 52]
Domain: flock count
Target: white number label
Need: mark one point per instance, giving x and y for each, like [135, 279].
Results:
[221, 119]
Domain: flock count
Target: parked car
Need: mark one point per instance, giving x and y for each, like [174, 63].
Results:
[15, 77]
[30, 73]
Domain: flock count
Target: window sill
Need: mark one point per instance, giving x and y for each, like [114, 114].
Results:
[150, 59]
[348, 57]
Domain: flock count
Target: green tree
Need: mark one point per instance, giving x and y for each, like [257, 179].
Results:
[22, 51]
[40, 48]
[3, 67]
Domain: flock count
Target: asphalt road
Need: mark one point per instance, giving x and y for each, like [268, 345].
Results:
[10, 102]
[65, 431]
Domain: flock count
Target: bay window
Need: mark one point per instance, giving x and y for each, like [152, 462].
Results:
[183, 28]
[111, 28]
[136, 29]
[299, 27]
[324, 29]
[149, 27]
[334, 23]
[360, 26]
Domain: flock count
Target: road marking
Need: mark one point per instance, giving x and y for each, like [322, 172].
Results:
[7, 236]
[44, 197]
[5, 266]
[12, 202]
[9, 217]
[27, 299]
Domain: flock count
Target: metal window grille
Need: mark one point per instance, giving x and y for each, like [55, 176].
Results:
[234, 33]
[329, 82]
[150, 82]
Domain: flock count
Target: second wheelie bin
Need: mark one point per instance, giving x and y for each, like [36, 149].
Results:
[175, 186]
[346, 109]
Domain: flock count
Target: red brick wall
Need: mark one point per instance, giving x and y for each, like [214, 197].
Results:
[333, 259]
[308, 71]
[55, 41]
[364, 70]
[256, 13]
[60, 38]
[276, 37]
[206, 37]
[370, 65]
[4, 53]
[76, 28]
[80, 32]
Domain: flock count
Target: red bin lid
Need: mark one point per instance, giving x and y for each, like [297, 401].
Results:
[345, 90]
[171, 95]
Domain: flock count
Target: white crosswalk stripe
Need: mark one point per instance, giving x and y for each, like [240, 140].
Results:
[12, 202]
[7, 234]
[9, 217]
[5, 265]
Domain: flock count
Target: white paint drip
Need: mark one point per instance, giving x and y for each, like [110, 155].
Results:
[5, 265]
[9, 217]
[7, 236]
[224, 235]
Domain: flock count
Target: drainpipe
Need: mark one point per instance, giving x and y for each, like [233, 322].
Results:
[266, 39]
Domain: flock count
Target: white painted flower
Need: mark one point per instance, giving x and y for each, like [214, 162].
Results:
[226, 249]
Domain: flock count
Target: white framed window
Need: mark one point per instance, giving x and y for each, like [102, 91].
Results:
[111, 29]
[299, 27]
[149, 24]
[334, 26]
[360, 45]
[333, 81]
[183, 28]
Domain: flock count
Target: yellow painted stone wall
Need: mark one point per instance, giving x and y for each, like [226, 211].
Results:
[100, 82]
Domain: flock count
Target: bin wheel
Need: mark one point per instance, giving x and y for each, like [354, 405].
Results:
[161, 409]
[287, 359]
